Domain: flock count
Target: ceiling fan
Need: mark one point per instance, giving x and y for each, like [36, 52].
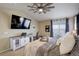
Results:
[41, 7]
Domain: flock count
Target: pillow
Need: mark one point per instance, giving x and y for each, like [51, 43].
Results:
[52, 41]
[44, 39]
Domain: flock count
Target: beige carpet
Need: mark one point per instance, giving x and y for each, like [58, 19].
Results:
[18, 52]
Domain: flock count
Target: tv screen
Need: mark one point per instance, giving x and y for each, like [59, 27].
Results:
[18, 22]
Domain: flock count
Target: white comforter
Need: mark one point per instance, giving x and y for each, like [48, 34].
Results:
[36, 47]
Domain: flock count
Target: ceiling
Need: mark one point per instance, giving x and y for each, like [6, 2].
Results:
[61, 10]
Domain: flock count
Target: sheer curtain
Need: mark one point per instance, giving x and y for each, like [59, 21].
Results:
[59, 27]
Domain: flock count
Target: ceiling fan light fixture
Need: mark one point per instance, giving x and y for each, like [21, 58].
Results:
[41, 7]
[40, 10]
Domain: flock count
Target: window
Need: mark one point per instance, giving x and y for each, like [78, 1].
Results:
[59, 28]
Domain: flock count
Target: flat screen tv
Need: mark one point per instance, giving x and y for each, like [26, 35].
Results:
[18, 22]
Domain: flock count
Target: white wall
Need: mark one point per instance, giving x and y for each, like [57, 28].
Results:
[6, 32]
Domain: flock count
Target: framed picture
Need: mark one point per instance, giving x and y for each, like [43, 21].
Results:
[47, 28]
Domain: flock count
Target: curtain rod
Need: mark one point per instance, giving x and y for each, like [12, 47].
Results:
[65, 17]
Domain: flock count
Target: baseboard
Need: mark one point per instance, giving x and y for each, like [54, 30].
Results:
[4, 50]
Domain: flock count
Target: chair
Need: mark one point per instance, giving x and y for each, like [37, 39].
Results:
[67, 43]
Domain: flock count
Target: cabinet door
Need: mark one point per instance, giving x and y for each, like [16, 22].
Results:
[17, 43]
[26, 40]
[22, 41]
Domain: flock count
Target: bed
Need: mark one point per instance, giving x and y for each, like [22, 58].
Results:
[39, 48]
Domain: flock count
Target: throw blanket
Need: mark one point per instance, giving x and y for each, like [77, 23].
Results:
[43, 50]
[37, 48]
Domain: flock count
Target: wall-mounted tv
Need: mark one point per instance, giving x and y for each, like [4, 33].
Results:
[18, 22]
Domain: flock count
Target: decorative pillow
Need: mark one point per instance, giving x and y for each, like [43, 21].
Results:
[52, 41]
[44, 39]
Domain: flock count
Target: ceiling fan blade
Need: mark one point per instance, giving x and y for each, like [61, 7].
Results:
[31, 9]
[40, 12]
[51, 7]
[35, 4]
[41, 4]
[48, 4]
[35, 11]
[31, 6]
[47, 10]
[44, 11]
